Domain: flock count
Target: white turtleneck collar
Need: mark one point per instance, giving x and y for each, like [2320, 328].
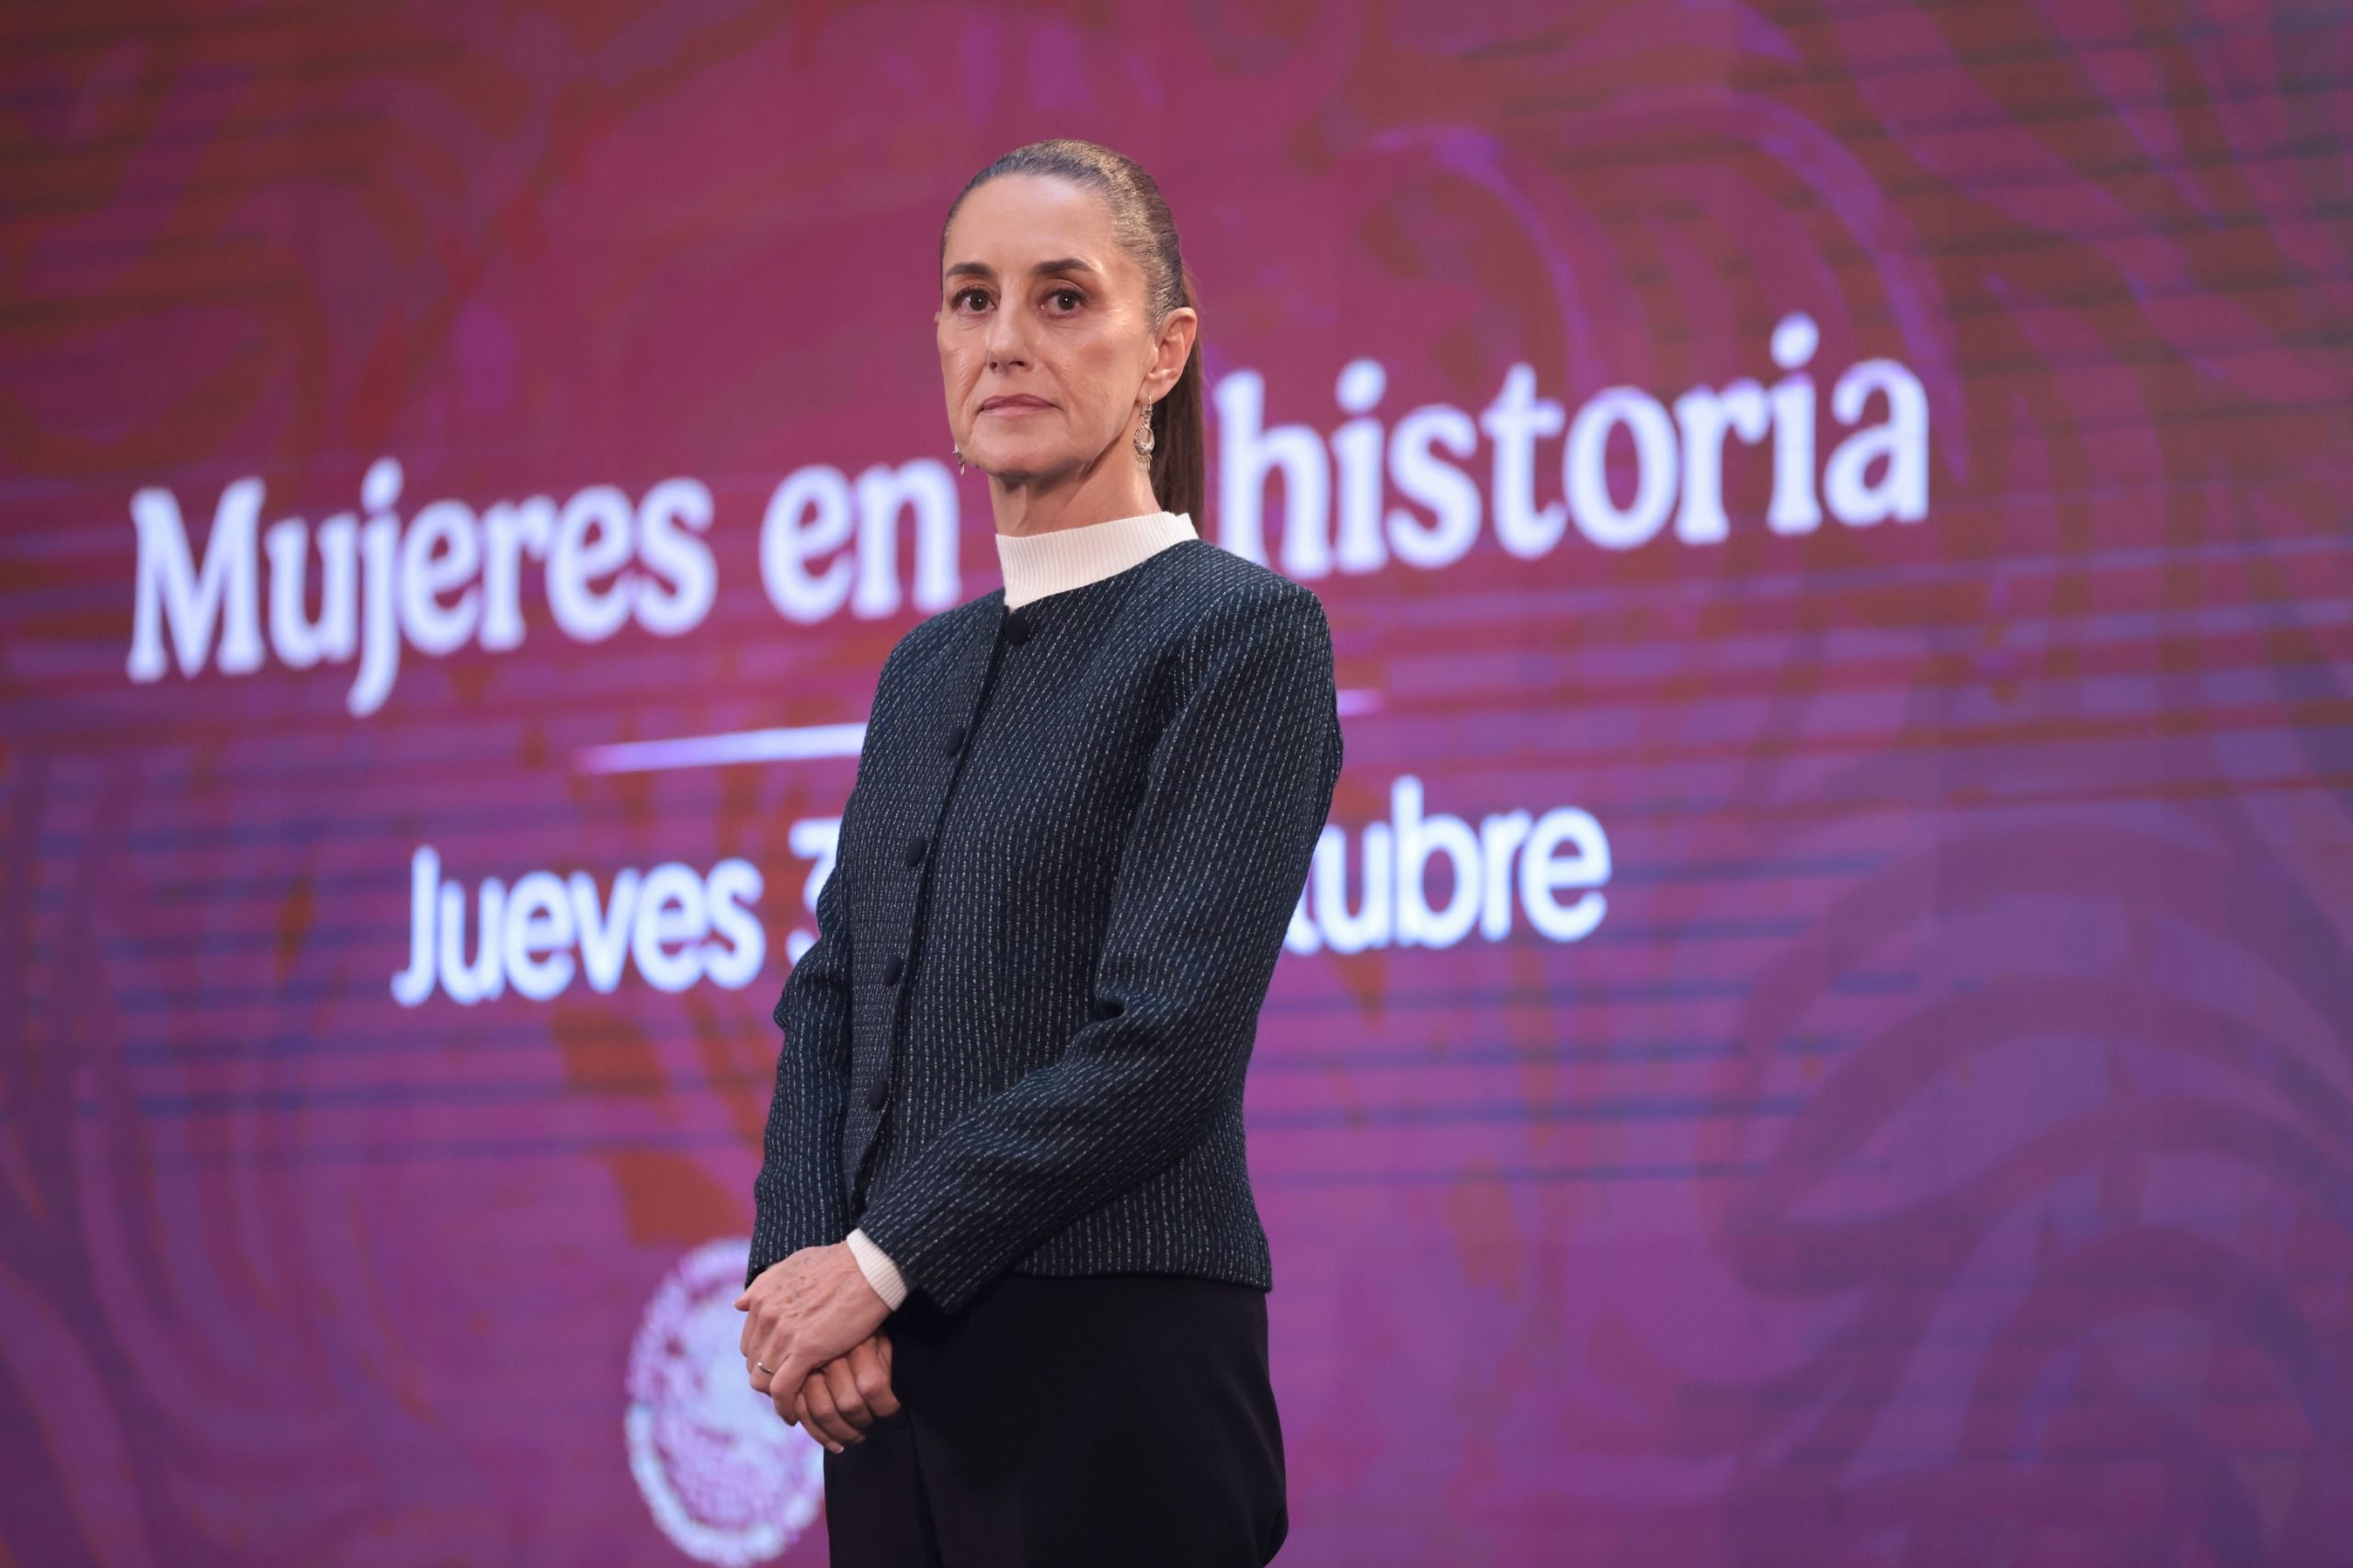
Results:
[1039, 565]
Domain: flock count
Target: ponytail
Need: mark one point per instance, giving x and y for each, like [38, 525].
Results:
[1180, 457]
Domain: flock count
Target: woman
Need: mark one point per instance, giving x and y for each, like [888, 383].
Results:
[1007, 1120]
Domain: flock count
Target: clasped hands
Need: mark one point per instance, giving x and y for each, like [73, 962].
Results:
[816, 1323]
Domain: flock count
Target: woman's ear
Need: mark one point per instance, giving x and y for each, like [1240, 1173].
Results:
[1176, 335]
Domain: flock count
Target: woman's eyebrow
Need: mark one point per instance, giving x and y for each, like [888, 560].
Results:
[983, 269]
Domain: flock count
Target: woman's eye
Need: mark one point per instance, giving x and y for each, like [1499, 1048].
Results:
[1066, 300]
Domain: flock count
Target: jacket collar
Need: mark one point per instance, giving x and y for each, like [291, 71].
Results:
[1039, 565]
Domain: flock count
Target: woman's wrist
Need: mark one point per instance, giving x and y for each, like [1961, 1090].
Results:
[879, 1271]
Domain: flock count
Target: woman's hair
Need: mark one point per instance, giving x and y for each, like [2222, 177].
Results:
[1139, 219]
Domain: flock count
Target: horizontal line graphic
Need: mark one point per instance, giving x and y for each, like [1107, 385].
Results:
[797, 742]
[204, 1104]
[1709, 1170]
[793, 743]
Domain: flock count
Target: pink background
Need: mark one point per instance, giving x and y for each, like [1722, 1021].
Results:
[1940, 1152]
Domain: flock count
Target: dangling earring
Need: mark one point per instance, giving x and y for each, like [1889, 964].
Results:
[1143, 437]
[960, 456]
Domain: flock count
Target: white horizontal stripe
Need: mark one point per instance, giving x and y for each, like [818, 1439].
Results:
[795, 745]
[806, 742]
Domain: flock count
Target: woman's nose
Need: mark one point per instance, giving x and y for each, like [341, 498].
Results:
[1005, 340]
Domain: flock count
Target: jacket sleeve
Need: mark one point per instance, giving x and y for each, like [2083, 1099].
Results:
[797, 1199]
[1235, 795]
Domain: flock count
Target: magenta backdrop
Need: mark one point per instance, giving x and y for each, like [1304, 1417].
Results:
[1822, 1031]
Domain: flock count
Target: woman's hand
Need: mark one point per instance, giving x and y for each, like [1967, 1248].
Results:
[841, 1399]
[801, 1313]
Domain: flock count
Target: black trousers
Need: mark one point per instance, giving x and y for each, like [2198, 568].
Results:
[1119, 1419]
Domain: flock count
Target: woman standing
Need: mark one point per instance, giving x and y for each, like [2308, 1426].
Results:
[1008, 1121]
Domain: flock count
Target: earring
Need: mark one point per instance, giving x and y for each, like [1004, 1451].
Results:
[960, 456]
[1143, 437]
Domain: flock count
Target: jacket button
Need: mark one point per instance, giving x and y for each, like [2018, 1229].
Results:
[1017, 626]
[877, 1095]
[892, 968]
[914, 850]
[955, 741]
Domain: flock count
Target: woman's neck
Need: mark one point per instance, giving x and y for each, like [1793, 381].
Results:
[1021, 511]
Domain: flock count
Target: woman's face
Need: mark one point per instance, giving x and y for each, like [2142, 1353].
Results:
[1045, 343]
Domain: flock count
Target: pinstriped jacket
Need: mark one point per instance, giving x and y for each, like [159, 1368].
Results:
[1064, 873]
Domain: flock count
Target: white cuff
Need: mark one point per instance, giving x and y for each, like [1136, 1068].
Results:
[879, 1271]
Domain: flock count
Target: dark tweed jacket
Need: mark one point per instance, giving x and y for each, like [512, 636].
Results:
[1076, 835]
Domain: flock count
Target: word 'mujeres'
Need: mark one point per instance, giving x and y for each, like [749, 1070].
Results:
[451, 576]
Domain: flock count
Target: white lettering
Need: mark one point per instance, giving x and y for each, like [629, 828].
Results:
[1378, 489]
[1903, 489]
[1511, 852]
[681, 582]
[1584, 473]
[1247, 455]
[924, 488]
[538, 935]
[808, 518]
[677, 926]
[448, 578]
[170, 590]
